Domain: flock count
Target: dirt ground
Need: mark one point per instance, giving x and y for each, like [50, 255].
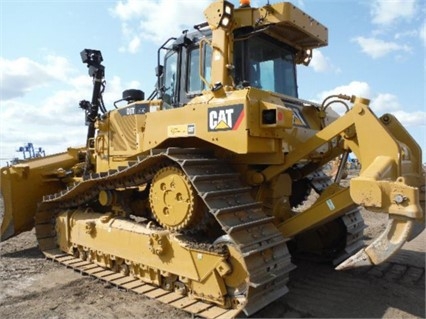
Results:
[32, 287]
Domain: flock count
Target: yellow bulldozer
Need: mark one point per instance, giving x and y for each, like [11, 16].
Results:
[190, 196]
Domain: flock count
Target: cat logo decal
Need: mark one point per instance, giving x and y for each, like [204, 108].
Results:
[225, 118]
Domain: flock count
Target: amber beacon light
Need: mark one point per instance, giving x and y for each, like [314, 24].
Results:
[244, 3]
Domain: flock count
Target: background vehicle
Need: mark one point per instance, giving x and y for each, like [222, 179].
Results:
[190, 195]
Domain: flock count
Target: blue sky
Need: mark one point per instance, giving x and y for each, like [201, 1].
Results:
[376, 50]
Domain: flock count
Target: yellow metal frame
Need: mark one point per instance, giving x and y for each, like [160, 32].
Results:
[384, 184]
[23, 186]
[151, 255]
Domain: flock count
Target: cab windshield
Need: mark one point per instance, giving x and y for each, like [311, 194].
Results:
[262, 62]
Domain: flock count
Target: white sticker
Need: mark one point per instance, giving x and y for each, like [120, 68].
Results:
[330, 204]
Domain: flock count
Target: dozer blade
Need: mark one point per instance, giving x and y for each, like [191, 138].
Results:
[19, 192]
[22, 187]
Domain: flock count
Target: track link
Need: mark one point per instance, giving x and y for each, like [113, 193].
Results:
[129, 283]
[262, 247]
[352, 219]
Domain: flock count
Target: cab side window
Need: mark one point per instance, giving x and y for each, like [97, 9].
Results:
[194, 82]
[170, 79]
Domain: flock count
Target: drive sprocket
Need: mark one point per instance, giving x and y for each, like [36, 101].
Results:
[172, 199]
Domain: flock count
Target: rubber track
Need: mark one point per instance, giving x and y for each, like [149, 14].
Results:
[262, 246]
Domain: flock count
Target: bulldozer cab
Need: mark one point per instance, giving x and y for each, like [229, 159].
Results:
[259, 61]
[237, 48]
[264, 63]
[179, 79]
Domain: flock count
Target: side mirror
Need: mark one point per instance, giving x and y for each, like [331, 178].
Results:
[159, 70]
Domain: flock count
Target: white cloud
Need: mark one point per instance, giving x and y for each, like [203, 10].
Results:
[22, 75]
[397, 20]
[60, 109]
[50, 143]
[156, 20]
[422, 33]
[380, 103]
[134, 44]
[377, 48]
[81, 83]
[53, 119]
[131, 9]
[114, 90]
[386, 12]
[361, 89]
[54, 124]
[321, 63]
[357, 88]
[417, 118]
[385, 103]
[58, 67]
[405, 34]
